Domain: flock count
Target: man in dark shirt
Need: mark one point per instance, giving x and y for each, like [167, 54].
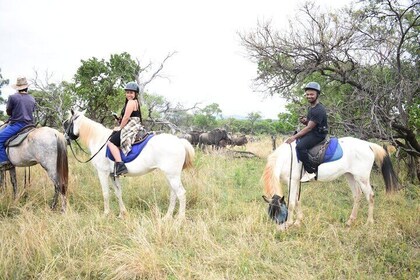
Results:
[314, 132]
[20, 107]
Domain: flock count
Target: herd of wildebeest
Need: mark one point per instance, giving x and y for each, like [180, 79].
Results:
[216, 138]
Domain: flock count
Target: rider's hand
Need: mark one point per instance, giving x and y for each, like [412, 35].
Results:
[303, 120]
[117, 128]
[290, 140]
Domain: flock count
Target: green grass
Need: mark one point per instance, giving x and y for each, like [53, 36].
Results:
[226, 235]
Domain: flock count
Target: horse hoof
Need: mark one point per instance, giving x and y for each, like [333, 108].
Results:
[282, 227]
[167, 218]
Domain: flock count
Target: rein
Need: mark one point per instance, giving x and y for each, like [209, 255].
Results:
[290, 178]
[71, 148]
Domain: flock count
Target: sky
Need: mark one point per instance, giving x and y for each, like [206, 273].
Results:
[209, 64]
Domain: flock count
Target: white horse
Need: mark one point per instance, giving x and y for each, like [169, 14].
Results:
[355, 165]
[166, 152]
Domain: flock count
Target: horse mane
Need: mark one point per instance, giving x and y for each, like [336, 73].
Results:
[271, 181]
[88, 131]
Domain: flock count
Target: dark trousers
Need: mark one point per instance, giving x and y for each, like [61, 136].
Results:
[303, 146]
[116, 138]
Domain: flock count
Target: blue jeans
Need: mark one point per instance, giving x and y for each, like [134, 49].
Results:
[6, 133]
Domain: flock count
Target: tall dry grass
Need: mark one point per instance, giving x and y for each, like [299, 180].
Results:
[226, 235]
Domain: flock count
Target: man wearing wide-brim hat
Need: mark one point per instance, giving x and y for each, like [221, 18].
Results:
[20, 107]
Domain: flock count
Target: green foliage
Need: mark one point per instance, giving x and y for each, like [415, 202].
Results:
[3, 82]
[206, 118]
[53, 104]
[414, 115]
[99, 83]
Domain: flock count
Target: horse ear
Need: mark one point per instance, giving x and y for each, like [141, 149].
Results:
[72, 111]
[282, 199]
[266, 199]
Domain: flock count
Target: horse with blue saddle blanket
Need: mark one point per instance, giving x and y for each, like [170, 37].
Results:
[166, 152]
[346, 156]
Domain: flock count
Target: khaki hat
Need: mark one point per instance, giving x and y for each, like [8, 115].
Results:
[21, 83]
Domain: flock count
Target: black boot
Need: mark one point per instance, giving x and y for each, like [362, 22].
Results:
[120, 169]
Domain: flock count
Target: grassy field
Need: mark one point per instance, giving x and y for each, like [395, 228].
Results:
[226, 235]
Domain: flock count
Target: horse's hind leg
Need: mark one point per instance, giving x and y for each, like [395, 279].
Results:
[367, 190]
[176, 190]
[2, 181]
[12, 173]
[355, 189]
[55, 198]
[171, 207]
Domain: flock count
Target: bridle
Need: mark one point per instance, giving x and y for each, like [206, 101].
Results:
[69, 136]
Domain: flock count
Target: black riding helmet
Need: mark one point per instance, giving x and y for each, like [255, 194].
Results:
[132, 86]
[315, 86]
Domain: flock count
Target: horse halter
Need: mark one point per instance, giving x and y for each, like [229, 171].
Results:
[68, 128]
[69, 136]
[277, 209]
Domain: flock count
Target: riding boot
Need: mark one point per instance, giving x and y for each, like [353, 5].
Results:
[120, 169]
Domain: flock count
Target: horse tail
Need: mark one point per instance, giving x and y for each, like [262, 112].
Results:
[62, 163]
[189, 154]
[270, 178]
[383, 161]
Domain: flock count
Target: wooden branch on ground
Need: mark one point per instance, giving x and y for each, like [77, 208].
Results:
[242, 153]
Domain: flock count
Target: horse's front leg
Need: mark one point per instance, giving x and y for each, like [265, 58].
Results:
[299, 214]
[103, 179]
[294, 204]
[118, 192]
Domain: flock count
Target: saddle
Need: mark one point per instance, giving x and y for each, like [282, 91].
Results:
[317, 153]
[141, 136]
[15, 140]
[136, 148]
[327, 150]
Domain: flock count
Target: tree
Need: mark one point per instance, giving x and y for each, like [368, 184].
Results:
[3, 82]
[253, 117]
[99, 83]
[206, 119]
[368, 53]
[53, 101]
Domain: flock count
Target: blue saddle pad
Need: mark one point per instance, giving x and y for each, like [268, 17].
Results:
[135, 150]
[334, 150]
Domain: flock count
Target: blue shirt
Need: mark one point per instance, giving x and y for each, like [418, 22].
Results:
[20, 107]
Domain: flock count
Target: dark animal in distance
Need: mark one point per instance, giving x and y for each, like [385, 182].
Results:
[212, 138]
[239, 140]
[193, 137]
